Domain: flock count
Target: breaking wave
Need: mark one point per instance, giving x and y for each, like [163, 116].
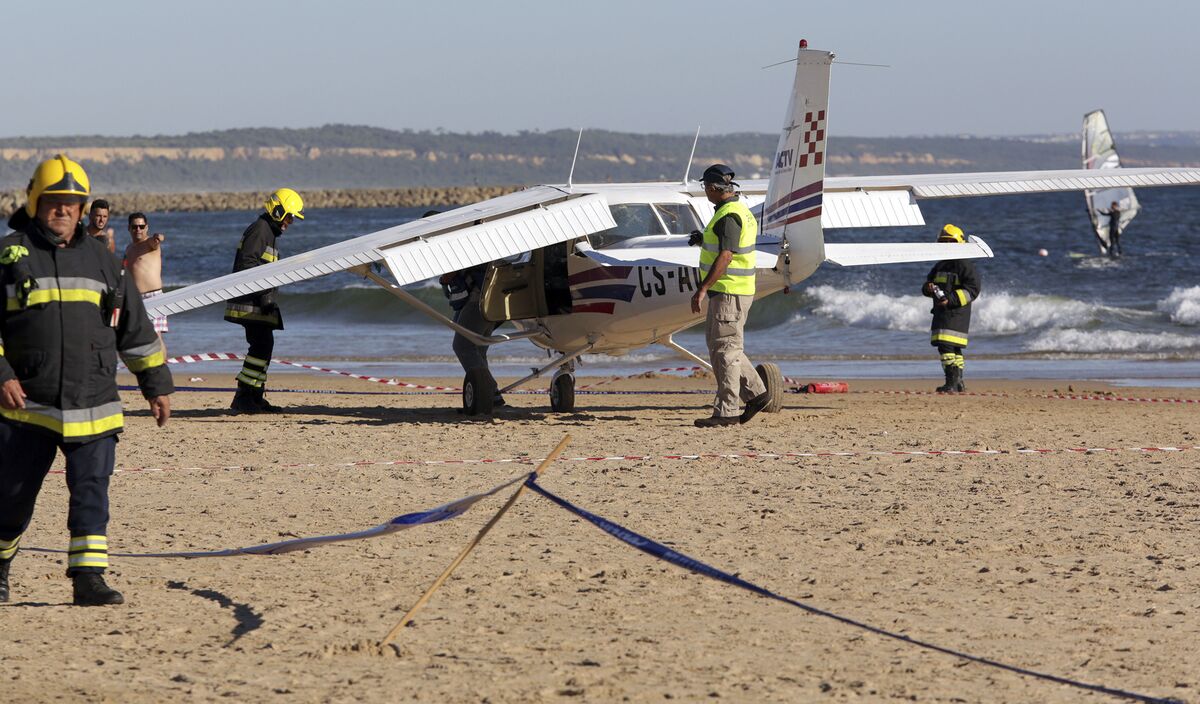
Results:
[1112, 341]
[1183, 306]
[995, 313]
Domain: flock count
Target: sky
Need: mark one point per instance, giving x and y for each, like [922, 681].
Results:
[983, 68]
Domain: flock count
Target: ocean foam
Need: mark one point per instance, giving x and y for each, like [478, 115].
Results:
[877, 310]
[994, 313]
[1183, 306]
[1109, 341]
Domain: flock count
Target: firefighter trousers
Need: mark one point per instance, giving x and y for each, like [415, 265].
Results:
[261, 340]
[25, 459]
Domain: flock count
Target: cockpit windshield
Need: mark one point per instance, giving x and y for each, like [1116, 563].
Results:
[679, 218]
[646, 220]
[633, 220]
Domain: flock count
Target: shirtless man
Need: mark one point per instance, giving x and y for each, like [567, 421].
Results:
[143, 261]
[98, 224]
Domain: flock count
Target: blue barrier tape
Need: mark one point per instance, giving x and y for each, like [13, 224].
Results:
[691, 564]
[444, 512]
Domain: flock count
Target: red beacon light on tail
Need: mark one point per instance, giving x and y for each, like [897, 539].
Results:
[803, 43]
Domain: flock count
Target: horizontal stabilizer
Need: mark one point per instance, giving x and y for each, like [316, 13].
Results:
[859, 254]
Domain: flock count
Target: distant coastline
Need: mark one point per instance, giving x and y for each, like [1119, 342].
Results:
[360, 158]
[253, 200]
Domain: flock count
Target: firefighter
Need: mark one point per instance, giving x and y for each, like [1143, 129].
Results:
[67, 312]
[727, 265]
[257, 312]
[953, 284]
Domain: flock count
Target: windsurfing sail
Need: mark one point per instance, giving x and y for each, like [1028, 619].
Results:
[1100, 152]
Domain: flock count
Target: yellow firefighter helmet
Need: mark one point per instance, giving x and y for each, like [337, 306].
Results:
[285, 202]
[951, 233]
[58, 176]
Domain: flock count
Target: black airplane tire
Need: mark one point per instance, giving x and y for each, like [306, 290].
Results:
[773, 379]
[479, 393]
[562, 393]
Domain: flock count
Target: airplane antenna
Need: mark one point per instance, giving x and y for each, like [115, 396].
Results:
[688, 171]
[571, 175]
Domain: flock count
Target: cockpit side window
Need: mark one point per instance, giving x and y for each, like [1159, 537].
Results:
[633, 220]
[679, 218]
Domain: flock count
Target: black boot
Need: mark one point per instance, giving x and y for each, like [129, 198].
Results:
[949, 387]
[244, 401]
[265, 406]
[4, 565]
[90, 590]
[959, 386]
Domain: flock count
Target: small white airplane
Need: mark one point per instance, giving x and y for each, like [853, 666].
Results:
[605, 268]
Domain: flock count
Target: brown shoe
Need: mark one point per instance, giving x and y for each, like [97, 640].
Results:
[754, 405]
[717, 421]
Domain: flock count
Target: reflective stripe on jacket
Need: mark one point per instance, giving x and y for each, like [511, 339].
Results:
[55, 337]
[739, 277]
[257, 247]
[959, 280]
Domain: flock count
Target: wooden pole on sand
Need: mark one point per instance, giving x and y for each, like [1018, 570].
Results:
[471, 545]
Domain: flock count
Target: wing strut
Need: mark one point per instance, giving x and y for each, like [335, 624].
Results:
[564, 359]
[432, 312]
[670, 343]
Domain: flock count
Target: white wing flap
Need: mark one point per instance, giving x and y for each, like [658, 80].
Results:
[416, 261]
[870, 209]
[859, 254]
[366, 249]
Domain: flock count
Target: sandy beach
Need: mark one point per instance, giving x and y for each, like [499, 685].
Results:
[1079, 564]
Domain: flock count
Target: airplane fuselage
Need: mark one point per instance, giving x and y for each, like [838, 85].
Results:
[618, 308]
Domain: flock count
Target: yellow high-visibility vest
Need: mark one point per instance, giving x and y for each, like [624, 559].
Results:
[739, 277]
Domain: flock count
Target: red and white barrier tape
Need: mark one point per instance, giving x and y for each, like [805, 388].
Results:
[701, 456]
[230, 356]
[1065, 397]
[639, 374]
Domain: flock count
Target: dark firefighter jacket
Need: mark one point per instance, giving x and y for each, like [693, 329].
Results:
[959, 281]
[55, 336]
[257, 247]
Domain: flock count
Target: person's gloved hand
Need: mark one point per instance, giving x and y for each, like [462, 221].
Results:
[695, 238]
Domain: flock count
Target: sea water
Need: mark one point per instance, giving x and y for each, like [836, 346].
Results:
[1072, 314]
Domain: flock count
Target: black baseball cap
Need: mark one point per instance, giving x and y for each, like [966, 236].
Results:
[718, 173]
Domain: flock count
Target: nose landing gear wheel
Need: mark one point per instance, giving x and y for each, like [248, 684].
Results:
[562, 393]
[479, 393]
[773, 379]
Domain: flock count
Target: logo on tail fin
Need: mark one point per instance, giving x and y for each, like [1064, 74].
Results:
[814, 139]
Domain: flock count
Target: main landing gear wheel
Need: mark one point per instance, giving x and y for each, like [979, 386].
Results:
[562, 393]
[479, 392]
[773, 378]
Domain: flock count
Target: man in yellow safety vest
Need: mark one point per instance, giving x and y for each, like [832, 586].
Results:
[727, 268]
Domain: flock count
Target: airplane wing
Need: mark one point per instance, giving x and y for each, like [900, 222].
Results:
[858, 254]
[417, 250]
[891, 201]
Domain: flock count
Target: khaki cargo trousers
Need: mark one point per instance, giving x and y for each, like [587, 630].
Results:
[737, 381]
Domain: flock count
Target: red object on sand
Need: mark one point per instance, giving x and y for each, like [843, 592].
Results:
[828, 387]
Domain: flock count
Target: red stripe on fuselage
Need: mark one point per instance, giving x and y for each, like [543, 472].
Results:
[600, 273]
[803, 216]
[606, 307]
[806, 191]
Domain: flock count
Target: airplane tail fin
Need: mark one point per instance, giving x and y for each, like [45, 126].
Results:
[792, 210]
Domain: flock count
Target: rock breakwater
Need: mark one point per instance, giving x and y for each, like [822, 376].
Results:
[253, 200]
